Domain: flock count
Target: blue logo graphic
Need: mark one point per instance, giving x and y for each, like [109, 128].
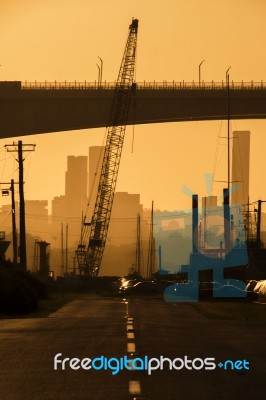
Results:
[145, 363]
[234, 365]
[210, 237]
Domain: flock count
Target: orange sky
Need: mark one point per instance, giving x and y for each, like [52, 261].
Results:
[62, 39]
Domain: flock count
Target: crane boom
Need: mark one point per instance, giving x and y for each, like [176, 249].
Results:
[93, 237]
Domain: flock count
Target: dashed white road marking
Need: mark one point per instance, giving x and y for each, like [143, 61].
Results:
[130, 335]
[134, 387]
[131, 348]
[129, 327]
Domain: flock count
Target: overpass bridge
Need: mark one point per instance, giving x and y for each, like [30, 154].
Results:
[41, 107]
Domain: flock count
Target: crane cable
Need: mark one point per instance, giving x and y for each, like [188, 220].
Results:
[134, 102]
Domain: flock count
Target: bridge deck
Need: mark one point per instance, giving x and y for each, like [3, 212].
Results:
[39, 107]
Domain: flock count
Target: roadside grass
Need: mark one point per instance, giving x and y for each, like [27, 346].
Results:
[47, 306]
[231, 310]
[54, 302]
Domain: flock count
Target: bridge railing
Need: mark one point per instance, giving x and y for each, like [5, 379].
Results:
[173, 85]
[164, 85]
[66, 85]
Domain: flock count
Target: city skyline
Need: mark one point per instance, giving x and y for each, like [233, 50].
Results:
[161, 294]
[148, 182]
[62, 228]
[171, 46]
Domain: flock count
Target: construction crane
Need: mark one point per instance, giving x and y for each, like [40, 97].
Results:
[93, 236]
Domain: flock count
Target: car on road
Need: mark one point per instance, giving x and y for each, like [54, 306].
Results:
[142, 287]
[193, 291]
[233, 292]
[227, 291]
[125, 283]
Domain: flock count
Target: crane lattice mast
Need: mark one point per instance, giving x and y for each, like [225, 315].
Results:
[93, 236]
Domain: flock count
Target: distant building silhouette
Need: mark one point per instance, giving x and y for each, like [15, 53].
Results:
[76, 181]
[240, 181]
[240, 167]
[5, 216]
[126, 207]
[59, 207]
[120, 252]
[36, 216]
[68, 208]
[209, 201]
[96, 154]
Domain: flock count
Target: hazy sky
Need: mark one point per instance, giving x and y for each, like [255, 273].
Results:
[62, 39]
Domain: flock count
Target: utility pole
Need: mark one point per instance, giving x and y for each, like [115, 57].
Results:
[160, 258]
[227, 233]
[195, 223]
[14, 228]
[151, 255]
[5, 192]
[19, 148]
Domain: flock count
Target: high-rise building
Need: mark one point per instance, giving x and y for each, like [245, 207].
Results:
[120, 253]
[68, 209]
[76, 181]
[209, 201]
[36, 216]
[59, 207]
[123, 224]
[240, 168]
[210, 220]
[96, 154]
[240, 182]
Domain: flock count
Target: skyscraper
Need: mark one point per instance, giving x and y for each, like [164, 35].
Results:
[240, 183]
[120, 253]
[122, 229]
[96, 154]
[76, 184]
[76, 181]
[240, 167]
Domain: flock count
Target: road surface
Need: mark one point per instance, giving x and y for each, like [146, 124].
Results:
[139, 327]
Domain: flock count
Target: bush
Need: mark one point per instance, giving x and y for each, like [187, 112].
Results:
[19, 291]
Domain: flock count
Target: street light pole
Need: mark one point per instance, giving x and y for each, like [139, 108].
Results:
[101, 73]
[227, 73]
[200, 72]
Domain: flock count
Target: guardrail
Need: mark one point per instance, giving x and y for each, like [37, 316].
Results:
[164, 85]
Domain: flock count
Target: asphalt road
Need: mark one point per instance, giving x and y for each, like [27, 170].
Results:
[112, 327]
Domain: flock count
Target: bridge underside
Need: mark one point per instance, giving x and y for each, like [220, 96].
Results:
[26, 112]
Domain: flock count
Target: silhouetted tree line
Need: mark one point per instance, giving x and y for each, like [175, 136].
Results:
[19, 290]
